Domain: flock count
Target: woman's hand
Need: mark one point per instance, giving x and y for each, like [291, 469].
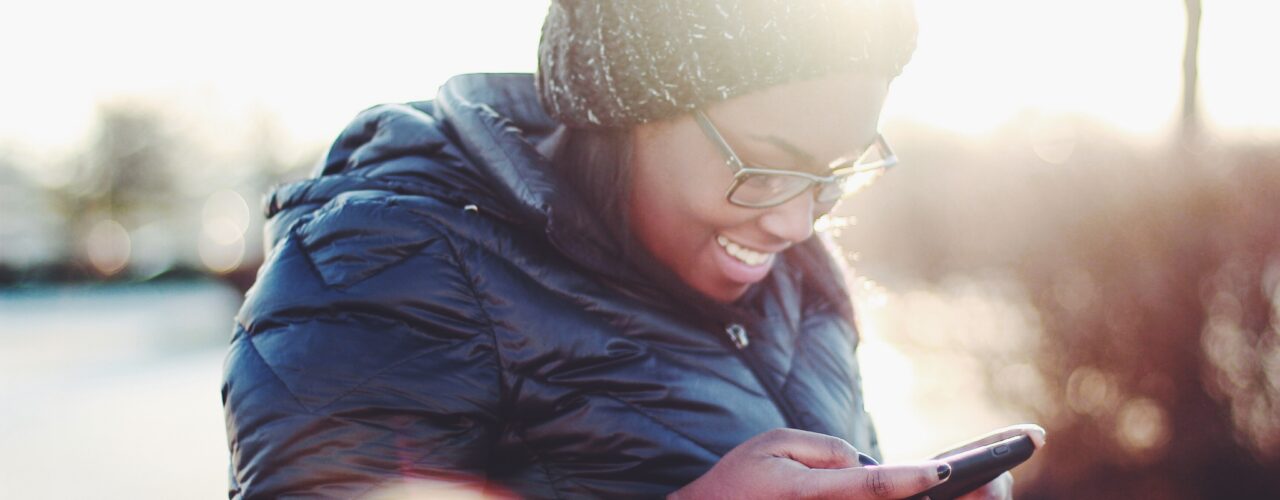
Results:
[789, 463]
[1001, 488]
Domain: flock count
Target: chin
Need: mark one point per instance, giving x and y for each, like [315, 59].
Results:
[726, 294]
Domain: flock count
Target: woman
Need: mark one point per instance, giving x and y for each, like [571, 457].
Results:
[598, 283]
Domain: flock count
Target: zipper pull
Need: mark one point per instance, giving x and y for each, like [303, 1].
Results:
[738, 335]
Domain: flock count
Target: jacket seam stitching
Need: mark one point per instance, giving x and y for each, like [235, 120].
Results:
[336, 399]
[384, 369]
[493, 136]
[493, 336]
[542, 464]
[248, 338]
[658, 421]
[448, 238]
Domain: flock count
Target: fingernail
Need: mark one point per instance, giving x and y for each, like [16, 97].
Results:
[944, 472]
[866, 460]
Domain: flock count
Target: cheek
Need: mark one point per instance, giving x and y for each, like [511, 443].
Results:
[677, 219]
[670, 216]
[698, 209]
[700, 195]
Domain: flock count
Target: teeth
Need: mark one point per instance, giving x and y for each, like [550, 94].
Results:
[750, 257]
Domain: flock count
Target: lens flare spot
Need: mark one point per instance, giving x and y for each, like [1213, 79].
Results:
[1090, 392]
[219, 257]
[1142, 426]
[108, 247]
[228, 209]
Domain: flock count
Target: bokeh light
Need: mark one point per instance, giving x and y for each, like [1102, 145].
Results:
[1091, 392]
[1244, 363]
[225, 218]
[221, 257]
[108, 247]
[154, 250]
[1142, 427]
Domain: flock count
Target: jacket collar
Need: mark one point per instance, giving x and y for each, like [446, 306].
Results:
[498, 121]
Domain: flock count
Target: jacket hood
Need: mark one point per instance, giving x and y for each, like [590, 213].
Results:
[475, 146]
[472, 144]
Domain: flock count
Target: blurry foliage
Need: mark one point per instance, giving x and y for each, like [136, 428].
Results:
[127, 204]
[1154, 272]
[129, 166]
[124, 175]
[1161, 298]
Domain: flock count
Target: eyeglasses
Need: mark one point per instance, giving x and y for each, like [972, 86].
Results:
[761, 187]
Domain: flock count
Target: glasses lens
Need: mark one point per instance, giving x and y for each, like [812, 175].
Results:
[761, 190]
[831, 193]
[847, 184]
[873, 162]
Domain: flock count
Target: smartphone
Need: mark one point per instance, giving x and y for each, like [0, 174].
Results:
[974, 468]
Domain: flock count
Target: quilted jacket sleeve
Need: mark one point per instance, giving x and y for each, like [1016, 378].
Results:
[361, 358]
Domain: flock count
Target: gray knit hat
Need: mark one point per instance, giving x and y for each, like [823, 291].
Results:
[614, 63]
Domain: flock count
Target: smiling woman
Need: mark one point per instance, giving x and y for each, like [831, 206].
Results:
[679, 207]
[583, 283]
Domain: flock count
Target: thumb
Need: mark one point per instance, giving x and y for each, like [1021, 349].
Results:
[816, 451]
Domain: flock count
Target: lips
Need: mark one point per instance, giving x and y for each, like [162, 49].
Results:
[742, 264]
[748, 256]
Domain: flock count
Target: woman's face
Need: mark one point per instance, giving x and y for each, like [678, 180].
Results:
[677, 206]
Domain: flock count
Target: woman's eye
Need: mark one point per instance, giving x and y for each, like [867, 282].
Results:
[769, 183]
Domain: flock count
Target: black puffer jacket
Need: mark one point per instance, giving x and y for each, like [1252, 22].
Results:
[433, 306]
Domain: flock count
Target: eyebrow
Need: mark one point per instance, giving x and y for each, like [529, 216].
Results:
[802, 157]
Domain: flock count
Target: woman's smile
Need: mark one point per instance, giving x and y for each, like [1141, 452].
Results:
[741, 264]
[742, 253]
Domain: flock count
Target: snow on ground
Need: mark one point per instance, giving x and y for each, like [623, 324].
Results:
[113, 392]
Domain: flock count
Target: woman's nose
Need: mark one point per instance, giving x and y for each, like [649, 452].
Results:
[791, 221]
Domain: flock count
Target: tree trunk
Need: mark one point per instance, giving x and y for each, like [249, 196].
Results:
[1190, 123]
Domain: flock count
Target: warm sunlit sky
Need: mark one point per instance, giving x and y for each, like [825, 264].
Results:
[315, 64]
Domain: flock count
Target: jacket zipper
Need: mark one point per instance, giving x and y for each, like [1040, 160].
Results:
[738, 336]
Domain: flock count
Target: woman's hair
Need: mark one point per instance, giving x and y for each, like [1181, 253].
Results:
[596, 164]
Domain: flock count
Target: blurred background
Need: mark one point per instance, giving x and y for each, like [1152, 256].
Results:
[1084, 231]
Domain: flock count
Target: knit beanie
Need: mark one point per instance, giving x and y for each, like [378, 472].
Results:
[616, 63]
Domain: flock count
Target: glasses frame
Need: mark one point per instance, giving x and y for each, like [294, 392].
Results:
[741, 171]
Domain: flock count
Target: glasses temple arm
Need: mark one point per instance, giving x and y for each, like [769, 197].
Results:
[710, 130]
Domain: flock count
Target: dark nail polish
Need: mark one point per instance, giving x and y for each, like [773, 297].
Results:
[944, 471]
[866, 460]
